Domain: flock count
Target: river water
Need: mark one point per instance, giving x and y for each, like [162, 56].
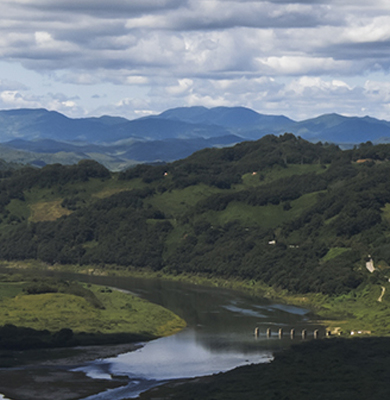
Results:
[219, 336]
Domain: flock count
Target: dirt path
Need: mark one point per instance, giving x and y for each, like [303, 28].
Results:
[382, 294]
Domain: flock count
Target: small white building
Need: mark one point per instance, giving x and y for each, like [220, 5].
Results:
[370, 265]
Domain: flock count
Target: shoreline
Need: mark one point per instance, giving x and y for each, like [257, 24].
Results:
[52, 377]
[74, 382]
[320, 305]
[84, 354]
[339, 315]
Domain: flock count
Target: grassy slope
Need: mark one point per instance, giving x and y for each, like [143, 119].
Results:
[45, 204]
[122, 313]
[42, 204]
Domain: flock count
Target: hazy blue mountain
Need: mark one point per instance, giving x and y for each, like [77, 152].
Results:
[160, 128]
[240, 118]
[52, 146]
[42, 124]
[174, 149]
[171, 135]
[37, 124]
[336, 128]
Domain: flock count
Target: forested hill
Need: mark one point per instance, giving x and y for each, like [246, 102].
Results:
[293, 214]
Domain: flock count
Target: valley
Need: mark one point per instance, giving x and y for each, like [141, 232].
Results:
[280, 218]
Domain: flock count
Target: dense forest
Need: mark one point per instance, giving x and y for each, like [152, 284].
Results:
[295, 215]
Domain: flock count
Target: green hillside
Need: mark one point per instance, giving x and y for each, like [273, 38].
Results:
[292, 214]
[45, 313]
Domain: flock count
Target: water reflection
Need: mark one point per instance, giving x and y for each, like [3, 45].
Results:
[220, 335]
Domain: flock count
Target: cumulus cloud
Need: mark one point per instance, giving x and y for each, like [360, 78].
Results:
[262, 54]
[15, 99]
[170, 33]
[100, 8]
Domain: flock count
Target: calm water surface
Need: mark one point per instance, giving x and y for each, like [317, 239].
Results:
[219, 336]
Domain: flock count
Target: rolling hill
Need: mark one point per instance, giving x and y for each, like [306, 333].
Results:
[215, 212]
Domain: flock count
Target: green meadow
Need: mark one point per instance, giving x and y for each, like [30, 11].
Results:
[83, 309]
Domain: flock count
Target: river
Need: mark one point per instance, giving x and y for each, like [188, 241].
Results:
[219, 336]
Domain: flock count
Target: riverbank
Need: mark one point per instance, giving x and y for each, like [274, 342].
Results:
[41, 321]
[357, 311]
[49, 384]
[48, 313]
[47, 373]
[221, 283]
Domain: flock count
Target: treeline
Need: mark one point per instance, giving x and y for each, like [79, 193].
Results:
[223, 167]
[13, 183]
[114, 230]
[51, 285]
[19, 338]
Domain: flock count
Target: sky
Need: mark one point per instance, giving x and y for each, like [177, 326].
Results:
[139, 57]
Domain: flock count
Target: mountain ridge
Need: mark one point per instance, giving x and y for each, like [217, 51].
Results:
[181, 130]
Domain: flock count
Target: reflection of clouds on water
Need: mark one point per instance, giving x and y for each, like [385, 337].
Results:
[290, 309]
[283, 308]
[220, 335]
[180, 356]
[95, 371]
[131, 391]
[244, 312]
[246, 309]
[166, 359]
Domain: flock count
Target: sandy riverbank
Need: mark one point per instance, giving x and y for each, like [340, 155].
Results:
[49, 377]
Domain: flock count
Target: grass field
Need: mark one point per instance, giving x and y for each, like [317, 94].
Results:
[177, 202]
[277, 172]
[48, 211]
[268, 216]
[122, 313]
[386, 212]
[334, 252]
[44, 204]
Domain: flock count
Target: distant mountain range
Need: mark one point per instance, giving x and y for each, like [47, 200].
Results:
[39, 136]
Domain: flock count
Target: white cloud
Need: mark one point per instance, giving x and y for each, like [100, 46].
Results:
[183, 86]
[43, 39]
[14, 99]
[296, 57]
[373, 30]
[295, 65]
